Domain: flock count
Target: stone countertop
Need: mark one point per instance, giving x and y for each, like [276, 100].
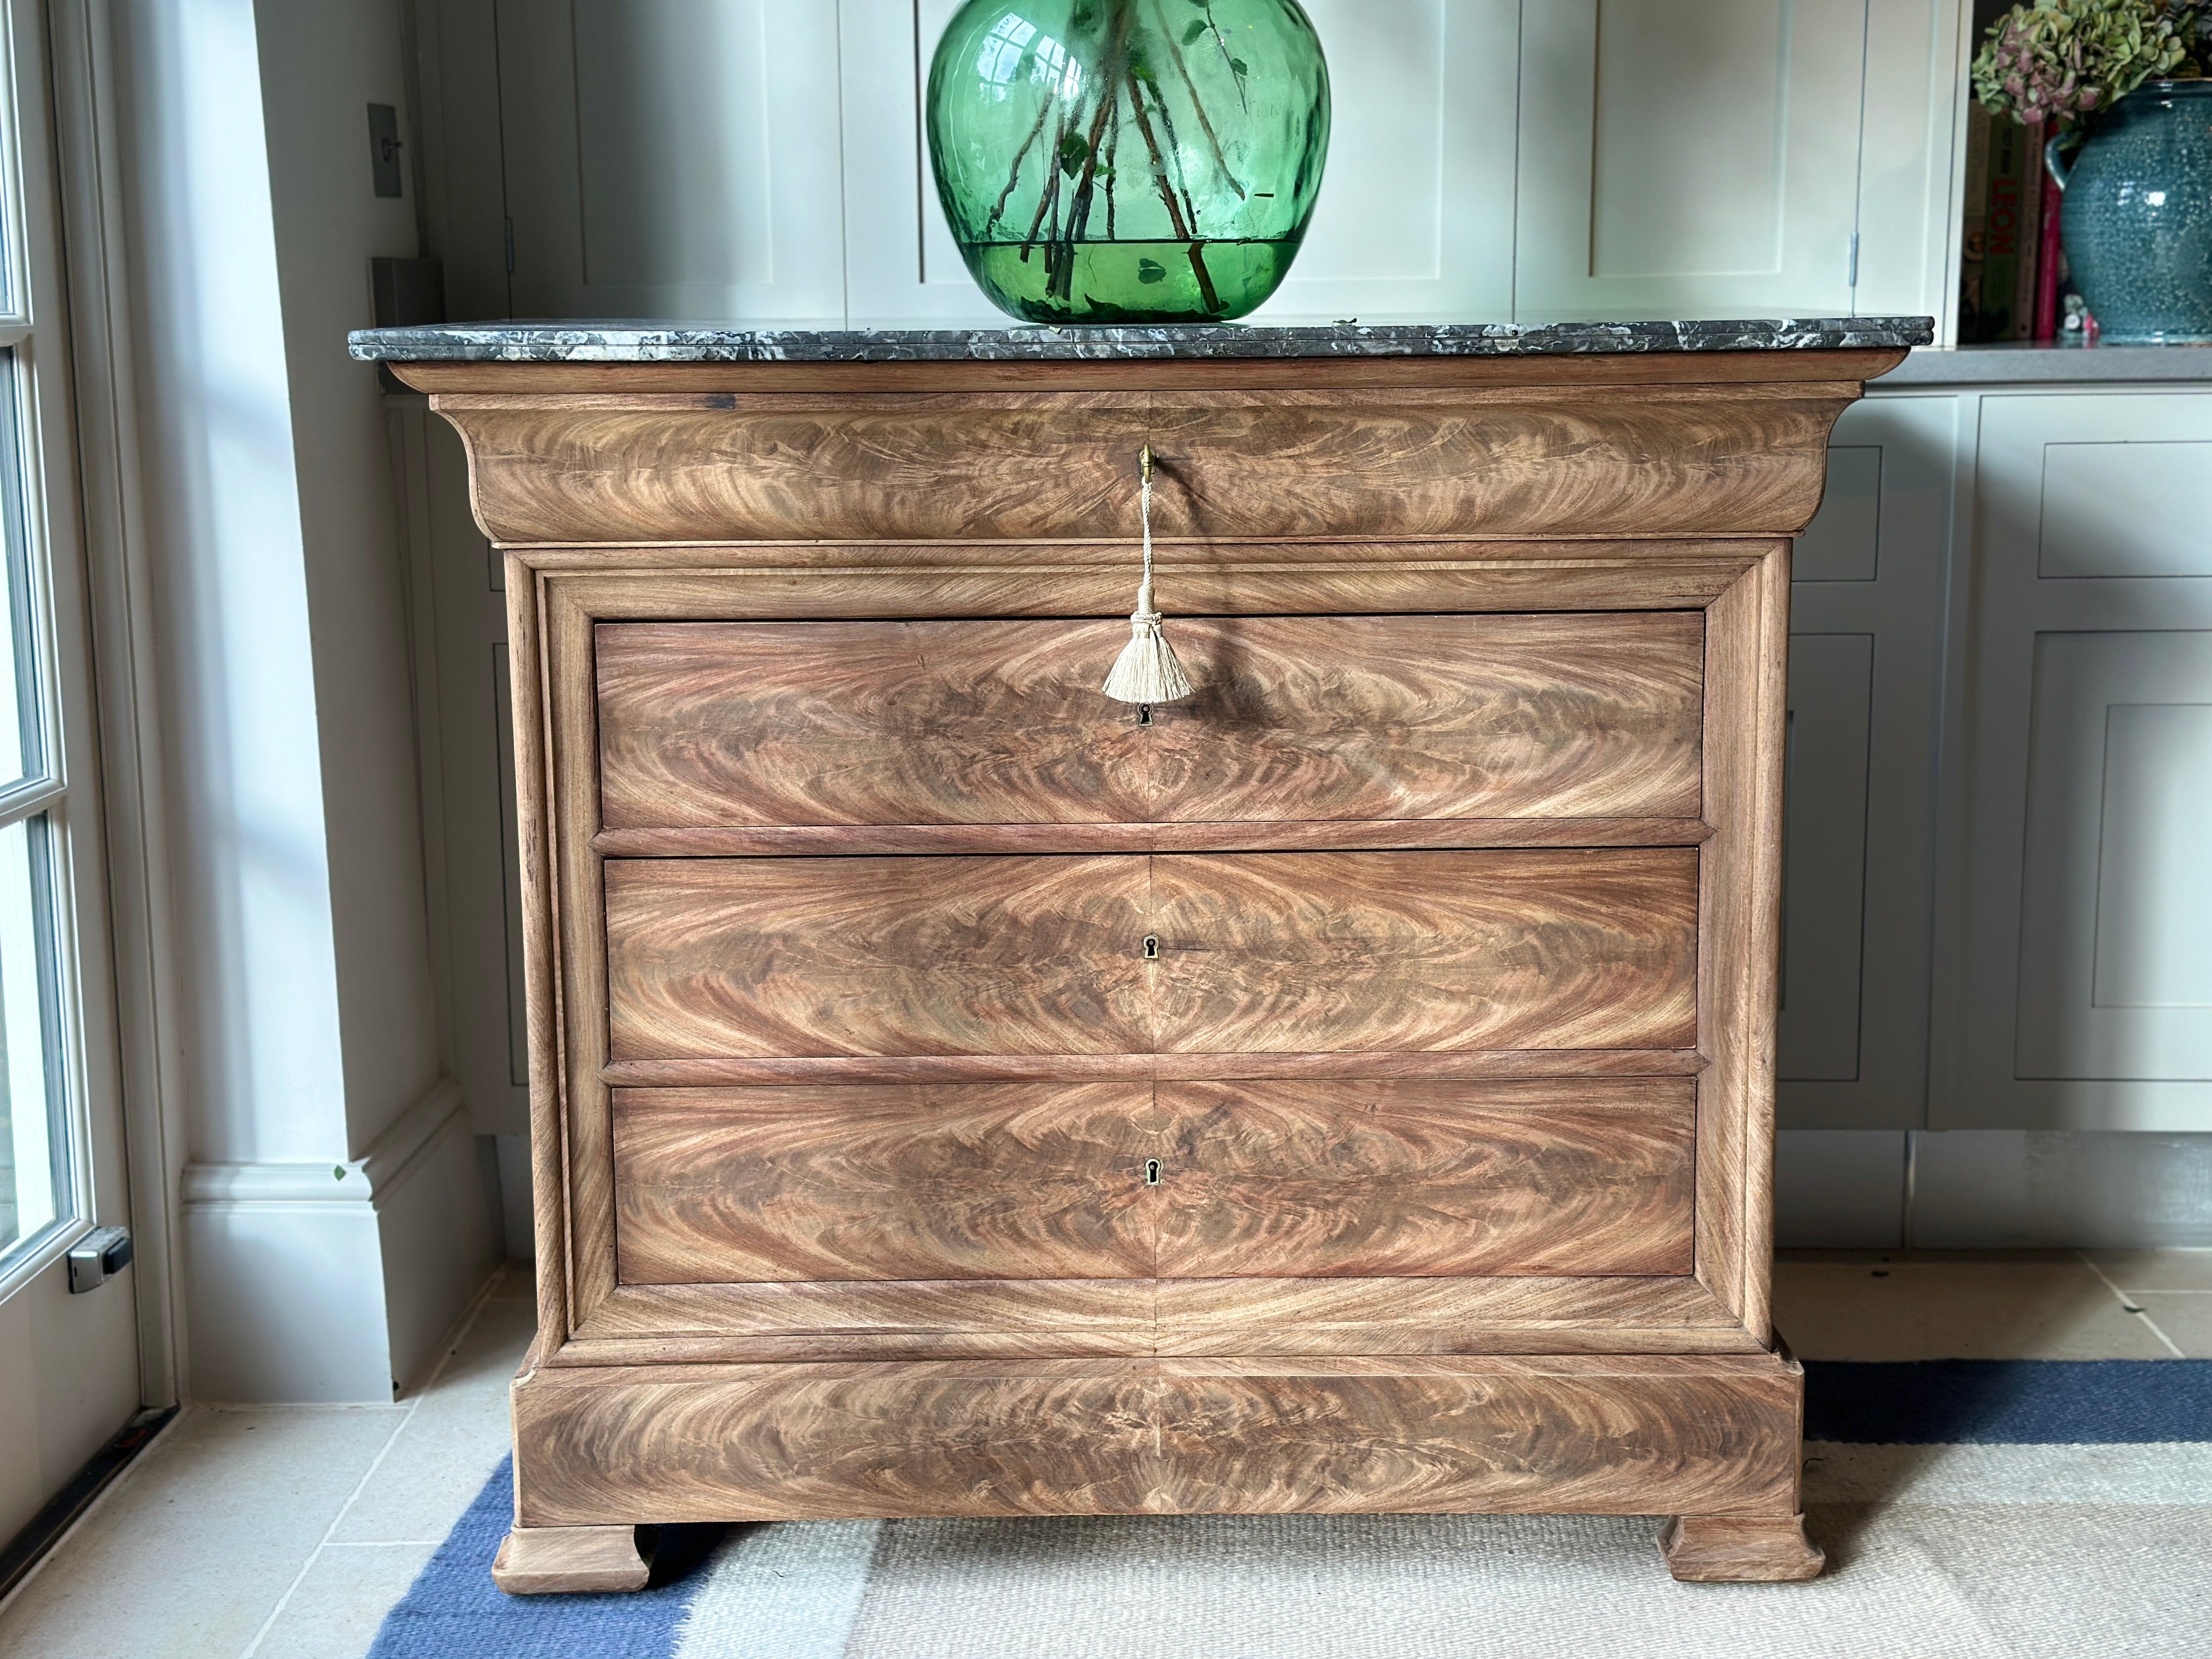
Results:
[661, 342]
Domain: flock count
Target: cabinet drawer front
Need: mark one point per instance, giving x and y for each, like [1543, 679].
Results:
[1027, 1181]
[1301, 1180]
[1252, 1181]
[707, 725]
[1271, 953]
[1324, 952]
[876, 956]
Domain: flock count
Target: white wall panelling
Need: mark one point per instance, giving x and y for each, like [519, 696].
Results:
[2084, 848]
[2012, 1188]
[457, 124]
[1825, 889]
[468, 795]
[1490, 158]
[1991, 1189]
[1839, 1189]
[1866, 661]
[2116, 913]
[336, 1282]
[672, 158]
[1686, 158]
[1912, 158]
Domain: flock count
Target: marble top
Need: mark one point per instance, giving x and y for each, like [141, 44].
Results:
[666, 342]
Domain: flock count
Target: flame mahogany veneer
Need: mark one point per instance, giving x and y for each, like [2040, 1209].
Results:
[955, 1094]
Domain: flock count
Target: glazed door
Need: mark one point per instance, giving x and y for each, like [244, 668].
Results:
[68, 1363]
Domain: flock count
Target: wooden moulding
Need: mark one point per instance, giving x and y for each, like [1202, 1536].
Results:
[1708, 1435]
[539, 813]
[618, 586]
[969, 1318]
[1746, 646]
[1043, 1319]
[1359, 1065]
[1260, 835]
[1649, 461]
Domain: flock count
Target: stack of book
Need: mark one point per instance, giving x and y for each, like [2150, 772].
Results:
[2011, 272]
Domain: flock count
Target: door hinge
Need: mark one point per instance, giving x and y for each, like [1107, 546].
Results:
[1850, 277]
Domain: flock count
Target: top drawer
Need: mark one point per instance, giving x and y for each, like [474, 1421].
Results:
[711, 724]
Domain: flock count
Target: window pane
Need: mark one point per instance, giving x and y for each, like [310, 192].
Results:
[19, 680]
[34, 1132]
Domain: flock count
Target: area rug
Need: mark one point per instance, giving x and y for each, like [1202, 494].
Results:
[2011, 1508]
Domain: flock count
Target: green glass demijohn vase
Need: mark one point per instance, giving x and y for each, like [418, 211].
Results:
[1129, 160]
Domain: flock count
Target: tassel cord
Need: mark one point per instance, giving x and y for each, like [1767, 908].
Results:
[1146, 671]
[1145, 606]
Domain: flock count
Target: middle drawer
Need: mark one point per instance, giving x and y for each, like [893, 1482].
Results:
[1245, 953]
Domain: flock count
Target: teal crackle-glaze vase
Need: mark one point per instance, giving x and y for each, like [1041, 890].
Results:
[1129, 160]
[2137, 218]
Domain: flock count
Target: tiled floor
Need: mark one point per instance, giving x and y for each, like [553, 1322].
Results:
[281, 1531]
[285, 1533]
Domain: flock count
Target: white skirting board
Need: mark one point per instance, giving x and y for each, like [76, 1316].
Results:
[330, 1283]
[1991, 1189]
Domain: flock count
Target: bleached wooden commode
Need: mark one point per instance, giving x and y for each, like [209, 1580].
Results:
[958, 1093]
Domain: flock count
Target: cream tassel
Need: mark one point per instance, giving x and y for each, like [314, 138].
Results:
[1146, 671]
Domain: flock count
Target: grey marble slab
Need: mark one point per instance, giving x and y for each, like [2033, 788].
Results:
[662, 343]
[2023, 364]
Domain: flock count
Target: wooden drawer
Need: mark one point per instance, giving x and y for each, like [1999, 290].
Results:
[1294, 1179]
[1277, 953]
[1307, 718]
[1043, 1182]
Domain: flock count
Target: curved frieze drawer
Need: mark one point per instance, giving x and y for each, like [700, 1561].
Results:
[1510, 461]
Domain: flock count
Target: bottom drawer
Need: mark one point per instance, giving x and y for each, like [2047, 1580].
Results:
[1134, 1179]
[1706, 1434]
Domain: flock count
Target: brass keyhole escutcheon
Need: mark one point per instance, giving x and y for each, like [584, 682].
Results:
[1151, 947]
[1152, 1172]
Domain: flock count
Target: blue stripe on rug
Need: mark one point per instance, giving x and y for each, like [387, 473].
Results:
[2009, 1402]
[454, 1608]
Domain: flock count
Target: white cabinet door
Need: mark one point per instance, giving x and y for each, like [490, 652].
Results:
[672, 159]
[1688, 158]
[1415, 218]
[1912, 157]
[2085, 998]
[1866, 655]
